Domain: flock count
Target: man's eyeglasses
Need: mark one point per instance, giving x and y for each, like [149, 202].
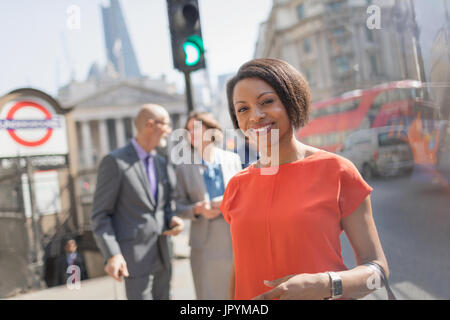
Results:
[169, 124]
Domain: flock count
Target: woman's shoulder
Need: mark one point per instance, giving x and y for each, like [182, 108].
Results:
[240, 176]
[333, 160]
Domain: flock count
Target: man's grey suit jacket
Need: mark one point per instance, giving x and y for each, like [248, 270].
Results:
[126, 218]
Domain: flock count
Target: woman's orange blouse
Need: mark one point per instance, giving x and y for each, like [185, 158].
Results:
[290, 222]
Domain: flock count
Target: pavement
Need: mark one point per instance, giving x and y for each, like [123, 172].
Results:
[106, 288]
[413, 223]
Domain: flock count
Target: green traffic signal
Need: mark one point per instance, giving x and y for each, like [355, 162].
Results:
[188, 51]
[193, 50]
[192, 54]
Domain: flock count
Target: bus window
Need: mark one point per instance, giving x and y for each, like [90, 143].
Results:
[380, 100]
[393, 95]
[407, 94]
[341, 107]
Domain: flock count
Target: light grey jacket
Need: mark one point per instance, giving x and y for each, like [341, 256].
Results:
[125, 217]
[191, 188]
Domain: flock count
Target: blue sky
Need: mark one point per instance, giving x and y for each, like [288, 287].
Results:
[34, 34]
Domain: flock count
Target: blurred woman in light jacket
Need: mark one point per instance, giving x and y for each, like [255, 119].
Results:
[199, 191]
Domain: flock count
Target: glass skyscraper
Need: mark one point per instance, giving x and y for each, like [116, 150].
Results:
[118, 44]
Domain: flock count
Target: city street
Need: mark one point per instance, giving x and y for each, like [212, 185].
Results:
[115, 91]
[413, 222]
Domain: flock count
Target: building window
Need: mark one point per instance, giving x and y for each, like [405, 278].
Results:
[369, 35]
[334, 5]
[342, 64]
[373, 64]
[307, 45]
[301, 11]
[339, 32]
[309, 73]
[338, 38]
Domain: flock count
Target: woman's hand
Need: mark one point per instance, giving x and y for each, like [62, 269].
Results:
[298, 287]
[206, 210]
[215, 204]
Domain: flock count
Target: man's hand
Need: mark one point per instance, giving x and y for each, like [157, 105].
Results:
[176, 226]
[116, 267]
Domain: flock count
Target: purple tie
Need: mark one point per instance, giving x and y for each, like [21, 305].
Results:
[150, 169]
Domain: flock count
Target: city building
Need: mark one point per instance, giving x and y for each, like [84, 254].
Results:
[104, 110]
[340, 45]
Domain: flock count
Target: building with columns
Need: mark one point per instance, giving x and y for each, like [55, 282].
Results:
[103, 112]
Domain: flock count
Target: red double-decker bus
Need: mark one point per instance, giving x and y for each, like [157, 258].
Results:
[394, 103]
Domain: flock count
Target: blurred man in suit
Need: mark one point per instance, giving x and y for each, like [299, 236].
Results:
[71, 257]
[133, 215]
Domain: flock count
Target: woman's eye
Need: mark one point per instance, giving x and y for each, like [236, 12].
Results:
[242, 109]
[268, 101]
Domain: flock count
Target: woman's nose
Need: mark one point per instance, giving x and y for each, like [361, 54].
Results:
[257, 114]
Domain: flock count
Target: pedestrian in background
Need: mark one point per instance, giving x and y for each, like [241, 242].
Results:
[70, 257]
[199, 192]
[286, 226]
[247, 153]
[132, 214]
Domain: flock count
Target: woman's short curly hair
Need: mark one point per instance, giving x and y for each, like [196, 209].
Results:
[288, 83]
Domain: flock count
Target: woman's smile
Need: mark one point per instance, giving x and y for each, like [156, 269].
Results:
[261, 129]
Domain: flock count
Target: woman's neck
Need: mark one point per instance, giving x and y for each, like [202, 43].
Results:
[289, 150]
[207, 152]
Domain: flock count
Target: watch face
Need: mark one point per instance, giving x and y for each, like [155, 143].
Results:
[339, 286]
[336, 285]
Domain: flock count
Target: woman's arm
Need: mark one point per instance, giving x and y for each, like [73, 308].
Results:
[363, 236]
[357, 282]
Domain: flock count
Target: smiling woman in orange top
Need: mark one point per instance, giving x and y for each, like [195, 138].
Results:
[285, 226]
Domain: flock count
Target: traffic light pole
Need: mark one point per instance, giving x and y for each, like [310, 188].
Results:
[189, 101]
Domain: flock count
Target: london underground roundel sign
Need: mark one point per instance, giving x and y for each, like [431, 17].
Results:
[29, 126]
[13, 125]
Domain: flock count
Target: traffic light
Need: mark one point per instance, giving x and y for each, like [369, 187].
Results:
[186, 35]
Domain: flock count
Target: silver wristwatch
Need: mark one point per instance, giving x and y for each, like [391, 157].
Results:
[336, 285]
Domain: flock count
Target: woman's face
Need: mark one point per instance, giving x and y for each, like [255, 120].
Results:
[196, 132]
[259, 110]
